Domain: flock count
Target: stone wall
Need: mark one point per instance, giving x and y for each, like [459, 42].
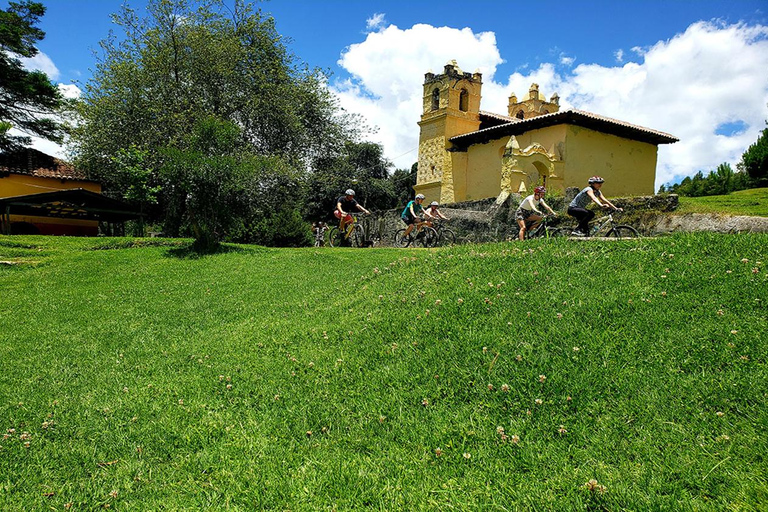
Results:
[661, 224]
[486, 221]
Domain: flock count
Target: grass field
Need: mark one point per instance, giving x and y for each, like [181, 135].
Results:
[744, 202]
[569, 375]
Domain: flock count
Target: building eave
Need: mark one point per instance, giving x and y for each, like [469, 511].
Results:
[573, 117]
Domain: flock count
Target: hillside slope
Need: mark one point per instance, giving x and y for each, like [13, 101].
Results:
[500, 376]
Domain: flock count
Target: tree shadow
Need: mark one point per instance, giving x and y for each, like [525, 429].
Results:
[193, 252]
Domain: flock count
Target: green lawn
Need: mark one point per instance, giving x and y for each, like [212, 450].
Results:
[744, 202]
[493, 377]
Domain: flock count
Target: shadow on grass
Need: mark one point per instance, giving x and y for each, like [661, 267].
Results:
[191, 251]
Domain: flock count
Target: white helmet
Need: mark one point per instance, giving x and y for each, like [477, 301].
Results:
[434, 203]
[419, 196]
[349, 192]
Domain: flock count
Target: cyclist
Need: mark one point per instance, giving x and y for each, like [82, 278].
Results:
[578, 207]
[319, 229]
[528, 211]
[434, 213]
[411, 214]
[344, 205]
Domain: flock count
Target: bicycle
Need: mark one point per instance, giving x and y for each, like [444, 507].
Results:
[544, 230]
[424, 236]
[372, 230]
[445, 236]
[616, 230]
[354, 235]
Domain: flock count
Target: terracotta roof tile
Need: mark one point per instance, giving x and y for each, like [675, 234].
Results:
[36, 163]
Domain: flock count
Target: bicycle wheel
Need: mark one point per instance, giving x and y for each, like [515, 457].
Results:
[535, 233]
[401, 240]
[447, 237]
[427, 237]
[623, 231]
[357, 237]
[332, 237]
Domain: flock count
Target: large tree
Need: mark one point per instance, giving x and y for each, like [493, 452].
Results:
[186, 63]
[27, 98]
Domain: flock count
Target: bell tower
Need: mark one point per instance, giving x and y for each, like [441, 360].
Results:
[534, 104]
[451, 107]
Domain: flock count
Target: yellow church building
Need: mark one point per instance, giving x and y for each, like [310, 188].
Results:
[467, 154]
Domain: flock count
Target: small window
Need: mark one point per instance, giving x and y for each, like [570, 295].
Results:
[464, 100]
[520, 114]
[435, 99]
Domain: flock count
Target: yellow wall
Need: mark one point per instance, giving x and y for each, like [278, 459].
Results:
[21, 185]
[431, 192]
[550, 137]
[628, 166]
[481, 165]
[483, 170]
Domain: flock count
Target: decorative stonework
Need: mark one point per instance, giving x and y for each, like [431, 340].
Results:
[533, 104]
[522, 168]
[432, 156]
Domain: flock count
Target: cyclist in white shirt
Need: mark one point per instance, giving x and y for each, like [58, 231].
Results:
[528, 211]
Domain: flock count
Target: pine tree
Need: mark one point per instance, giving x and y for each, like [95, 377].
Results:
[27, 98]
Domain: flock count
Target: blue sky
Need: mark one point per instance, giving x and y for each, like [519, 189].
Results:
[692, 68]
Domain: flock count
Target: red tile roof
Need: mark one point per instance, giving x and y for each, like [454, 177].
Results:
[32, 162]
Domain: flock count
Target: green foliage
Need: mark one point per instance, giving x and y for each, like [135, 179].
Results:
[216, 192]
[403, 181]
[26, 97]
[257, 384]
[752, 173]
[360, 166]
[755, 160]
[720, 181]
[135, 176]
[187, 63]
[286, 228]
[753, 202]
[184, 63]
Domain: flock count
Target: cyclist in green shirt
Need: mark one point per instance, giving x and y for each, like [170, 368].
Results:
[412, 214]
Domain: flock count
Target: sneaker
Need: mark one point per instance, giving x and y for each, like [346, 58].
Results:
[577, 233]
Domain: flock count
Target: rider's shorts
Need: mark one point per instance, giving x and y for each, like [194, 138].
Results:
[408, 219]
[523, 214]
[347, 218]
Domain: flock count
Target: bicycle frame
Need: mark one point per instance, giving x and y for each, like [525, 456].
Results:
[541, 229]
[368, 235]
[601, 223]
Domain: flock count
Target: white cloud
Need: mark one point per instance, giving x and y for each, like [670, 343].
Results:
[70, 91]
[688, 86]
[375, 22]
[41, 62]
[388, 72]
[619, 54]
[710, 74]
